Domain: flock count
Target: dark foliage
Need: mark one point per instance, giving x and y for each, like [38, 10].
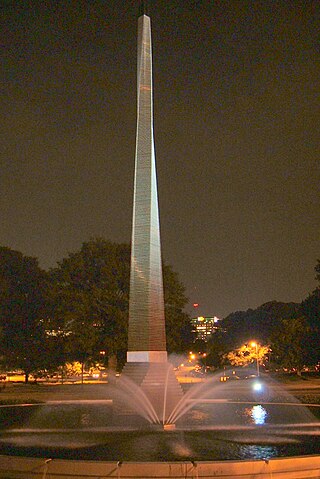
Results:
[257, 324]
[22, 311]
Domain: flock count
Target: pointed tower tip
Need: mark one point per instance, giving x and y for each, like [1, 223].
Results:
[143, 8]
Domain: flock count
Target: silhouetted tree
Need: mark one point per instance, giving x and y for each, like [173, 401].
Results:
[90, 290]
[22, 311]
[91, 296]
[256, 324]
[310, 308]
[178, 326]
[289, 343]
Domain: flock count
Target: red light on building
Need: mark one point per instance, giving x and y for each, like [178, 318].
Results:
[195, 305]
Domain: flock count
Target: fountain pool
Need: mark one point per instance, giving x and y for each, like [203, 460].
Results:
[213, 422]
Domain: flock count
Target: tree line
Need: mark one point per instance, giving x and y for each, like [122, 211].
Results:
[78, 311]
[288, 332]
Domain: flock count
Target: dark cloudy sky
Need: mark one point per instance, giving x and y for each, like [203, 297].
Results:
[236, 102]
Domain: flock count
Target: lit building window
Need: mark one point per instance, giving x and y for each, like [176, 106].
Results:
[204, 327]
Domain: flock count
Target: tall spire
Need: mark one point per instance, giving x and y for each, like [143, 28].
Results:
[147, 366]
[146, 337]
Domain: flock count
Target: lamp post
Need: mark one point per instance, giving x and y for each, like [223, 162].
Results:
[255, 345]
[192, 356]
[205, 361]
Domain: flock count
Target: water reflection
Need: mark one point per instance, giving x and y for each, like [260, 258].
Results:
[93, 432]
[257, 414]
[259, 452]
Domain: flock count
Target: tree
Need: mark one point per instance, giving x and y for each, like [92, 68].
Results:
[242, 326]
[178, 326]
[247, 354]
[22, 311]
[218, 345]
[90, 291]
[310, 309]
[289, 343]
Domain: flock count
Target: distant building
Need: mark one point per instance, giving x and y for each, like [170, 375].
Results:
[204, 327]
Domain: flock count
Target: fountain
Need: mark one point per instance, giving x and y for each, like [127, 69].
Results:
[143, 424]
[230, 425]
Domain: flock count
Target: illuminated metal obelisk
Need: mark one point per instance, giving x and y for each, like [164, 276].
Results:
[146, 340]
[147, 364]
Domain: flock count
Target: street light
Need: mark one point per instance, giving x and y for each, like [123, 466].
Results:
[255, 345]
[205, 361]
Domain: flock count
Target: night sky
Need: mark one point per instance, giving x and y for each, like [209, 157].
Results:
[236, 105]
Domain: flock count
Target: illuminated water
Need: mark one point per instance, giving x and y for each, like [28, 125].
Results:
[232, 422]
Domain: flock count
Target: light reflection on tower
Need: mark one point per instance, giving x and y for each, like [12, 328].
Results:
[146, 336]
